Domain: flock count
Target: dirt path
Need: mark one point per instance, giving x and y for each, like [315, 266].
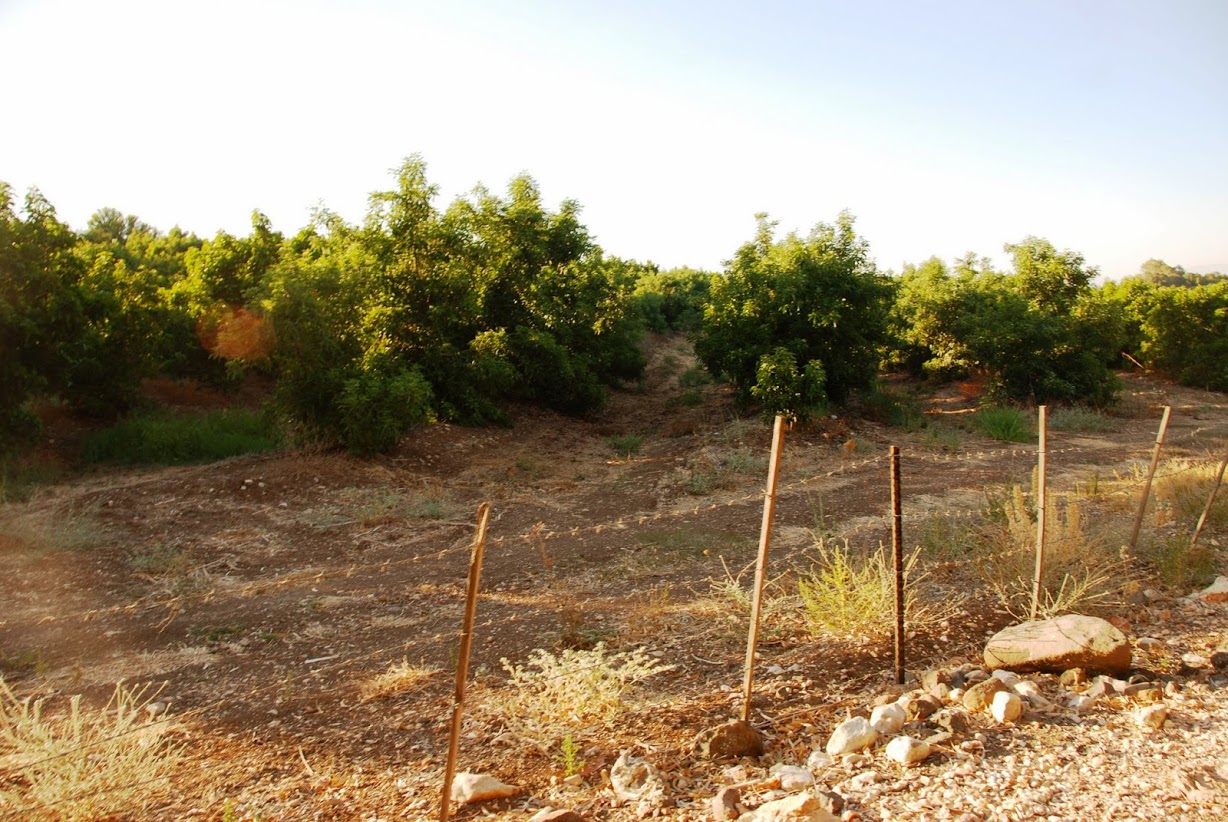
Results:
[266, 591]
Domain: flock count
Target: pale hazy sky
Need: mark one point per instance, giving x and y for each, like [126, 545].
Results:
[945, 127]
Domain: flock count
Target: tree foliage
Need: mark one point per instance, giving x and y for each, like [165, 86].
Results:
[799, 322]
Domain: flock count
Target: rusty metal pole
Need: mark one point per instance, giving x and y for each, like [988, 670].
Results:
[1041, 506]
[765, 539]
[462, 661]
[1202, 520]
[1151, 472]
[897, 553]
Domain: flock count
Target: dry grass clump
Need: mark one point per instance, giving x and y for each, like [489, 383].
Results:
[400, 678]
[1182, 491]
[575, 691]
[84, 764]
[47, 529]
[1084, 568]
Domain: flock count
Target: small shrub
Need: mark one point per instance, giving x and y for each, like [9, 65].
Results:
[855, 596]
[1179, 565]
[379, 405]
[173, 439]
[1185, 487]
[626, 445]
[691, 398]
[551, 695]
[399, 679]
[1004, 423]
[85, 764]
[569, 756]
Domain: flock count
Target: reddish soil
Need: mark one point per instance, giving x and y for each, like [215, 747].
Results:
[266, 590]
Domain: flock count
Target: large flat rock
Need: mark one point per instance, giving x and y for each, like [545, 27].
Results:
[1056, 645]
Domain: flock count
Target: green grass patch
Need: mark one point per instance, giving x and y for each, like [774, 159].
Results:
[626, 445]
[20, 476]
[694, 378]
[1081, 420]
[1005, 423]
[173, 439]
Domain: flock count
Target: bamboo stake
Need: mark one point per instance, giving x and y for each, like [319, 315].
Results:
[462, 662]
[765, 538]
[1202, 520]
[1151, 472]
[897, 552]
[1040, 507]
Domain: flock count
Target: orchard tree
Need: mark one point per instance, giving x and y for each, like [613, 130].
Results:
[797, 323]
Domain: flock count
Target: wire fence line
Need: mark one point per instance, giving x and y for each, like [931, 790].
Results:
[305, 577]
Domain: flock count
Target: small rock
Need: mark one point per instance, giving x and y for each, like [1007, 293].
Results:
[1216, 592]
[907, 751]
[1148, 643]
[956, 696]
[634, 779]
[1009, 678]
[725, 804]
[864, 780]
[888, 719]
[954, 721]
[1152, 717]
[1120, 623]
[552, 815]
[979, 697]
[1007, 706]
[793, 777]
[851, 735]
[923, 707]
[931, 679]
[733, 740]
[1079, 703]
[1030, 691]
[975, 675]
[830, 801]
[1219, 658]
[468, 788]
[853, 761]
[1072, 678]
[940, 691]
[818, 760]
[1195, 660]
[800, 806]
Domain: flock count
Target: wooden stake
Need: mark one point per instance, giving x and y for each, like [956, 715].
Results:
[1155, 461]
[462, 661]
[765, 539]
[897, 552]
[1219, 478]
[1040, 508]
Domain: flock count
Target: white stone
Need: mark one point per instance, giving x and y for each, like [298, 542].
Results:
[955, 696]
[1151, 717]
[1006, 677]
[907, 751]
[635, 779]
[800, 806]
[793, 777]
[818, 760]
[888, 719]
[468, 788]
[1006, 707]
[1030, 691]
[851, 735]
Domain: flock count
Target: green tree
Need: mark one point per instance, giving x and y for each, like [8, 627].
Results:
[799, 322]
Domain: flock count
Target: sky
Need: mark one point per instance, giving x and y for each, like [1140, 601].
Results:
[944, 127]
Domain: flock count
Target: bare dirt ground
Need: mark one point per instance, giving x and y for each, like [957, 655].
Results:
[266, 591]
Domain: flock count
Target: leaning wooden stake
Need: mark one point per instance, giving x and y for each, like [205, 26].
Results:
[1151, 472]
[1219, 478]
[1040, 508]
[897, 553]
[765, 539]
[462, 661]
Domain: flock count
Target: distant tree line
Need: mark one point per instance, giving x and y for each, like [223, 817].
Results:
[421, 313]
